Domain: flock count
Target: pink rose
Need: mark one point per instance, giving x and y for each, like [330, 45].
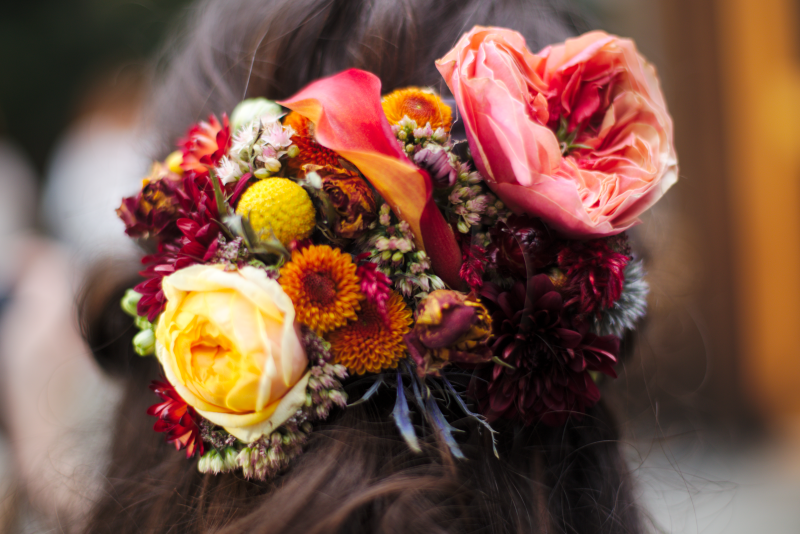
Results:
[577, 134]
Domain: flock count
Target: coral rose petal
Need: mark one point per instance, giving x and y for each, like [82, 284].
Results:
[619, 157]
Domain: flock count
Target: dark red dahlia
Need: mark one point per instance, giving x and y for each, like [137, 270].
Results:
[204, 145]
[153, 211]
[595, 273]
[179, 420]
[519, 238]
[198, 243]
[163, 263]
[547, 377]
[473, 264]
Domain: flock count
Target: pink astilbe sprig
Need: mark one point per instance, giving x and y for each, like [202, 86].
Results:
[177, 419]
[376, 286]
[595, 273]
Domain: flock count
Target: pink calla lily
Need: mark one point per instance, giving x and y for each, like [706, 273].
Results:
[346, 110]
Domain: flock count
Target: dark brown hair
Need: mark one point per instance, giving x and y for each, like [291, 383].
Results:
[357, 475]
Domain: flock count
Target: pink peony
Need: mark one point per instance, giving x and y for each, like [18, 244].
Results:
[578, 134]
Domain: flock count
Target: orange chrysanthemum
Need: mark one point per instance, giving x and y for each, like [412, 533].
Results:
[419, 105]
[311, 152]
[373, 342]
[322, 283]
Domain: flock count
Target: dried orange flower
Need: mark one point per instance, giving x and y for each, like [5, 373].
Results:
[322, 283]
[352, 199]
[372, 343]
[417, 104]
[311, 152]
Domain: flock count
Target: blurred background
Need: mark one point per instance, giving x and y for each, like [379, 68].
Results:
[711, 397]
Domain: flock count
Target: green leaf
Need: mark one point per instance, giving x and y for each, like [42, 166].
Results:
[222, 205]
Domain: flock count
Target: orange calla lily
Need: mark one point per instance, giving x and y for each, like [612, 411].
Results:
[346, 110]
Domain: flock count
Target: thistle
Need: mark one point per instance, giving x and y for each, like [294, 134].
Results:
[631, 305]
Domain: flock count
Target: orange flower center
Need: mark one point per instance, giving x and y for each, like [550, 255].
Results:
[416, 106]
[369, 324]
[320, 288]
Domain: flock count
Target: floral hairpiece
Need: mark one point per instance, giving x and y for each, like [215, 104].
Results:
[353, 235]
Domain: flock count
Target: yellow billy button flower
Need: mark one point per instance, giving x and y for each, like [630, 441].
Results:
[173, 162]
[280, 206]
[229, 345]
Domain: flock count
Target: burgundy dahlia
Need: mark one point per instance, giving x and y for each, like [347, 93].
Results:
[522, 243]
[198, 243]
[153, 211]
[473, 264]
[547, 373]
[179, 420]
[595, 273]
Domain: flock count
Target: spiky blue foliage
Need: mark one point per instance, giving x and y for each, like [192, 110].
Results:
[402, 417]
[631, 306]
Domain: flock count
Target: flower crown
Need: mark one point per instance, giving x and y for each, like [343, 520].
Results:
[353, 235]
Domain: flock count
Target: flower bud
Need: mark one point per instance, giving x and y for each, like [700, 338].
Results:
[211, 462]
[272, 164]
[129, 302]
[230, 458]
[450, 327]
[144, 343]
[254, 109]
[397, 257]
[386, 255]
[314, 180]
[143, 324]
[261, 173]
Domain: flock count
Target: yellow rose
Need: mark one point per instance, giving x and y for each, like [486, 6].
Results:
[229, 345]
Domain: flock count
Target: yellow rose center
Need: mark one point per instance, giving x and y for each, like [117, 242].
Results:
[218, 366]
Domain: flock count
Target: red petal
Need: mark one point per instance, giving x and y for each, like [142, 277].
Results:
[346, 109]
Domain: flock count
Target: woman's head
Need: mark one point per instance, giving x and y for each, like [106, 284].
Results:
[247, 48]
[357, 474]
